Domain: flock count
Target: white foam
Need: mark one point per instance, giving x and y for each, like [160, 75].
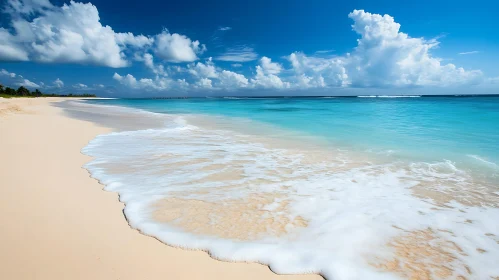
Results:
[389, 96]
[482, 160]
[351, 207]
[99, 98]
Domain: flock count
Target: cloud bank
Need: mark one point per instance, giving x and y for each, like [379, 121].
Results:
[17, 80]
[384, 57]
[73, 33]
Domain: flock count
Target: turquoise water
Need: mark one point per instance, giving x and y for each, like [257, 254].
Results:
[464, 130]
[336, 186]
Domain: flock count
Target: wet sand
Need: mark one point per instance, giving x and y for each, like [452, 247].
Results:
[58, 223]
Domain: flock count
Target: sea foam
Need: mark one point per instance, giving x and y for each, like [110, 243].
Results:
[300, 210]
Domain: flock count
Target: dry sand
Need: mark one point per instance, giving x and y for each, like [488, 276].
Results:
[57, 223]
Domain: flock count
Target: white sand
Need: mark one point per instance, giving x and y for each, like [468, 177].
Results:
[57, 223]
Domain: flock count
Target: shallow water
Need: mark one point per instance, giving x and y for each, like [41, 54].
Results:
[357, 188]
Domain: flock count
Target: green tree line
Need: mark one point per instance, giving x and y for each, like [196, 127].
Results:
[24, 92]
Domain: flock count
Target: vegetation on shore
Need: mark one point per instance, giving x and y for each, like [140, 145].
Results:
[8, 92]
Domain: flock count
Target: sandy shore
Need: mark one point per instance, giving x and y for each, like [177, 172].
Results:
[57, 223]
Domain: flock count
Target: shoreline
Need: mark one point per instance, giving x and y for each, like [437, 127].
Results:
[60, 224]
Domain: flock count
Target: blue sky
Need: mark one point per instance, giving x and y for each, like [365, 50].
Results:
[161, 48]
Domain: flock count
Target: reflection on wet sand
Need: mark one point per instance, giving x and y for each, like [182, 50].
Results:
[423, 255]
[254, 217]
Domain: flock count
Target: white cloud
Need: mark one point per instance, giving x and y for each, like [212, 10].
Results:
[470, 52]
[9, 49]
[182, 84]
[318, 72]
[80, 86]
[177, 48]
[238, 54]
[324, 51]
[157, 84]
[157, 69]
[73, 33]
[27, 6]
[128, 38]
[7, 73]
[28, 83]
[225, 79]
[58, 83]
[205, 70]
[127, 80]
[232, 80]
[226, 28]
[266, 75]
[385, 56]
[204, 83]
[267, 80]
[17, 80]
[270, 67]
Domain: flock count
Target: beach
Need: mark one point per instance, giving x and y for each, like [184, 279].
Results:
[58, 223]
[207, 189]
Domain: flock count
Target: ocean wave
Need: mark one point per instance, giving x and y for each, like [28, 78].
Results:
[389, 96]
[482, 160]
[300, 210]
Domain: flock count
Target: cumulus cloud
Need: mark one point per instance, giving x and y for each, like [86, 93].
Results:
[157, 69]
[266, 75]
[226, 28]
[14, 79]
[7, 73]
[73, 33]
[238, 54]
[177, 48]
[385, 56]
[204, 83]
[58, 83]
[225, 79]
[27, 6]
[269, 67]
[204, 70]
[157, 84]
[9, 48]
[28, 83]
[232, 80]
[129, 39]
[80, 86]
[128, 80]
[318, 72]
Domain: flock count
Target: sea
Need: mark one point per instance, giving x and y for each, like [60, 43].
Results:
[366, 187]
